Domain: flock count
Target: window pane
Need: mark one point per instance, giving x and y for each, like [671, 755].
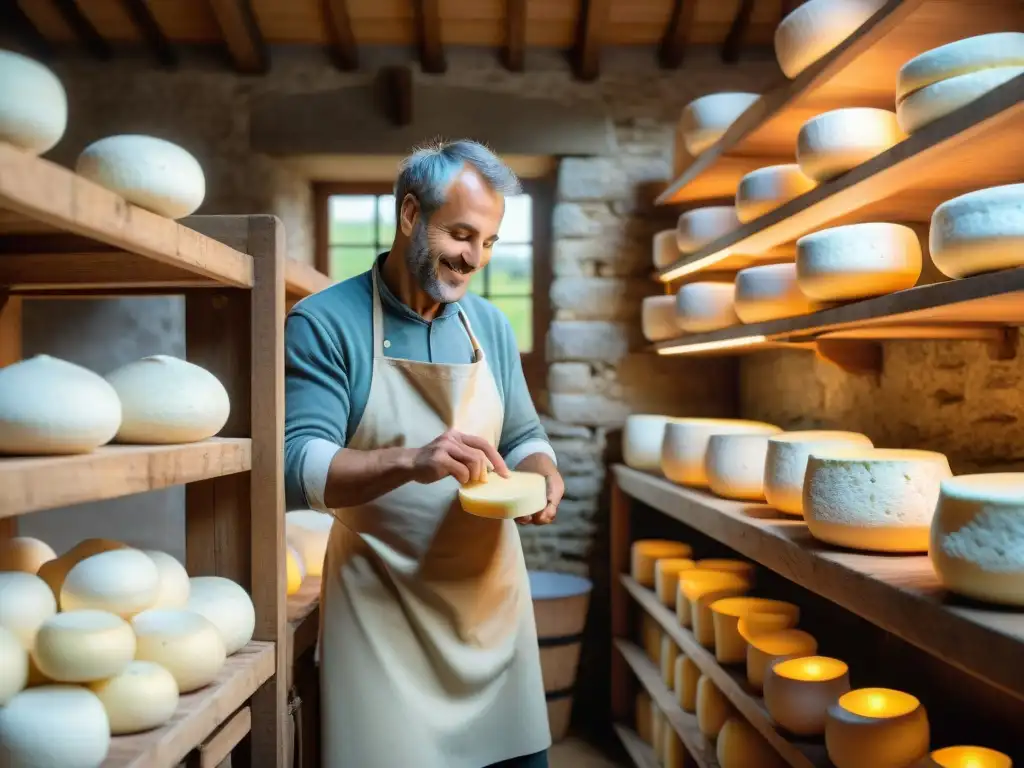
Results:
[386, 221]
[348, 262]
[511, 269]
[351, 219]
[476, 282]
[517, 225]
[519, 312]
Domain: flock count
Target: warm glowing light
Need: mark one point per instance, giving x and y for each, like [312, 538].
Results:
[712, 346]
[878, 702]
[697, 582]
[811, 668]
[726, 565]
[970, 757]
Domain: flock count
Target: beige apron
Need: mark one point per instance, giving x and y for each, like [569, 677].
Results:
[428, 646]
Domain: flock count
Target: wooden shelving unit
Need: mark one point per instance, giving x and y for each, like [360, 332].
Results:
[63, 236]
[638, 750]
[301, 280]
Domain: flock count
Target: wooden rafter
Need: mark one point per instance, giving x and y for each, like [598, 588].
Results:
[343, 51]
[25, 31]
[144, 20]
[677, 34]
[428, 36]
[593, 19]
[514, 52]
[83, 28]
[737, 32]
[397, 94]
[242, 36]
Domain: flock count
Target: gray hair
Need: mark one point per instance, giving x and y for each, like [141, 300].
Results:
[427, 173]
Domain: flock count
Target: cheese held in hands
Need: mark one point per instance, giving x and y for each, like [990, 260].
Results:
[505, 498]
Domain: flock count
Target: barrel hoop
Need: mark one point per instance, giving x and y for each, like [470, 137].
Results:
[547, 642]
[562, 693]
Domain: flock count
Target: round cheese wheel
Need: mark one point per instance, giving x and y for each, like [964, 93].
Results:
[770, 292]
[658, 318]
[146, 171]
[703, 588]
[765, 189]
[652, 633]
[51, 406]
[641, 441]
[705, 306]
[813, 30]
[669, 653]
[835, 142]
[295, 571]
[674, 754]
[505, 498]
[684, 448]
[23, 553]
[764, 648]
[713, 709]
[858, 261]
[645, 554]
[123, 582]
[57, 726]
[658, 727]
[698, 227]
[228, 606]
[174, 584]
[666, 578]
[961, 57]
[168, 400]
[665, 249]
[977, 537]
[786, 463]
[981, 231]
[739, 745]
[308, 531]
[53, 572]
[34, 109]
[946, 96]
[142, 697]
[876, 727]
[798, 692]
[185, 643]
[643, 716]
[13, 665]
[875, 499]
[25, 603]
[726, 614]
[706, 119]
[735, 465]
[967, 757]
[684, 685]
[83, 646]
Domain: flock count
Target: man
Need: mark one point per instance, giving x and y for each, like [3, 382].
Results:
[399, 387]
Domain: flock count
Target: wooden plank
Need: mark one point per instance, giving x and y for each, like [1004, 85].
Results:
[25, 31]
[731, 682]
[513, 53]
[147, 25]
[737, 32]
[10, 352]
[619, 543]
[591, 30]
[198, 715]
[343, 50]
[899, 594]
[639, 751]
[302, 280]
[90, 270]
[29, 484]
[217, 748]
[677, 34]
[84, 30]
[428, 36]
[242, 36]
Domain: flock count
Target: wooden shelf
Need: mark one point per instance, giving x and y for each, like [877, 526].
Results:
[60, 232]
[301, 280]
[732, 683]
[701, 749]
[900, 594]
[304, 617]
[199, 714]
[639, 751]
[29, 484]
[861, 72]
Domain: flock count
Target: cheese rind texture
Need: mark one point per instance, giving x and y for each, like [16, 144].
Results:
[665, 248]
[34, 107]
[786, 463]
[185, 643]
[24, 553]
[505, 498]
[698, 227]
[658, 318]
[705, 306]
[735, 465]
[684, 683]
[799, 704]
[770, 292]
[644, 554]
[641, 441]
[123, 582]
[961, 57]
[83, 646]
[13, 665]
[666, 578]
[981, 231]
[739, 745]
[878, 500]
[57, 726]
[764, 190]
[767, 647]
[707, 118]
[935, 101]
[228, 606]
[26, 602]
[835, 142]
[684, 448]
[854, 740]
[813, 30]
[142, 697]
[174, 584]
[713, 709]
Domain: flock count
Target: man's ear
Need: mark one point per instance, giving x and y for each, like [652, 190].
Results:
[408, 214]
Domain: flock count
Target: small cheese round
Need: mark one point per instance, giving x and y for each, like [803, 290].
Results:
[786, 463]
[645, 554]
[53, 572]
[713, 709]
[185, 643]
[765, 189]
[798, 692]
[835, 142]
[858, 261]
[707, 118]
[146, 171]
[739, 745]
[766, 647]
[685, 445]
[228, 606]
[730, 646]
[658, 727]
[34, 109]
[294, 570]
[814, 29]
[977, 537]
[665, 249]
[966, 757]
[705, 306]
[23, 553]
[505, 498]
[669, 653]
[641, 441]
[698, 227]
[50, 406]
[643, 709]
[699, 588]
[770, 292]
[144, 696]
[25, 603]
[876, 727]
[946, 96]
[174, 584]
[980, 231]
[961, 57]
[56, 726]
[666, 577]
[674, 754]
[880, 500]
[652, 633]
[83, 646]
[168, 400]
[735, 465]
[13, 665]
[123, 582]
[658, 318]
[308, 531]
[684, 685]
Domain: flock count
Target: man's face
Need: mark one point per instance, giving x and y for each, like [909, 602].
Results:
[447, 251]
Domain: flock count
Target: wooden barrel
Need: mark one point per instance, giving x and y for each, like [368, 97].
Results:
[560, 603]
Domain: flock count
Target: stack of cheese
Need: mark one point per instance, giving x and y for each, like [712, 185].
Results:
[706, 119]
[306, 533]
[980, 231]
[101, 641]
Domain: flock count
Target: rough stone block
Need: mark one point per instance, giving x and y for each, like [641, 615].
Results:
[592, 410]
[583, 486]
[568, 377]
[613, 256]
[582, 219]
[599, 298]
[589, 341]
[591, 179]
[557, 430]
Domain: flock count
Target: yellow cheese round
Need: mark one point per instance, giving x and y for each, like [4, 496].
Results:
[730, 646]
[835, 142]
[707, 118]
[770, 292]
[735, 465]
[53, 572]
[786, 463]
[644, 554]
[858, 261]
[642, 437]
[666, 578]
[713, 709]
[766, 647]
[295, 571]
[876, 727]
[184, 642]
[308, 531]
[674, 754]
[642, 711]
[705, 306]
[23, 553]
[977, 537]
[56, 726]
[658, 318]
[122, 581]
[798, 692]
[657, 732]
[173, 579]
[144, 696]
[669, 653]
[815, 28]
[727, 565]
[982, 231]
[698, 227]
[764, 190]
[702, 588]
[665, 250]
[739, 745]
[83, 646]
[13, 665]
[685, 445]
[967, 757]
[25, 603]
[879, 500]
[935, 101]
[961, 57]
[651, 635]
[505, 498]
[227, 606]
[684, 683]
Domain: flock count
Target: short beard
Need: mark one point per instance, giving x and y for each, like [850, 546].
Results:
[425, 263]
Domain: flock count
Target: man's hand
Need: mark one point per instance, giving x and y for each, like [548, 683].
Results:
[542, 464]
[464, 457]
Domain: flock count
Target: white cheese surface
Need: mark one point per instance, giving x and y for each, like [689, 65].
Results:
[705, 306]
[685, 445]
[641, 441]
[25, 603]
[185, 643]
[770, 292]
[142, 697]
[935, 101]
[815, 28]
[707, 118]
[735, 465]
[123, 582]
[700, 226]
[228, 606]
[658, 318]
[786, 463]
[764, 190]
[33, 104]
[83, 646]
[961, 57]
[980, 231]
[835, 142]
[56, 726]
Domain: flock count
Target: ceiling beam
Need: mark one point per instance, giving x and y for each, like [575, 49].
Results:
[513, 55]
[397, 94]
[342, 50]
[677, 34]
[144, 20]
[428, 36]
[83, 29]
[242, 36]
[25, 30]
[734, 40]
[590, 28]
